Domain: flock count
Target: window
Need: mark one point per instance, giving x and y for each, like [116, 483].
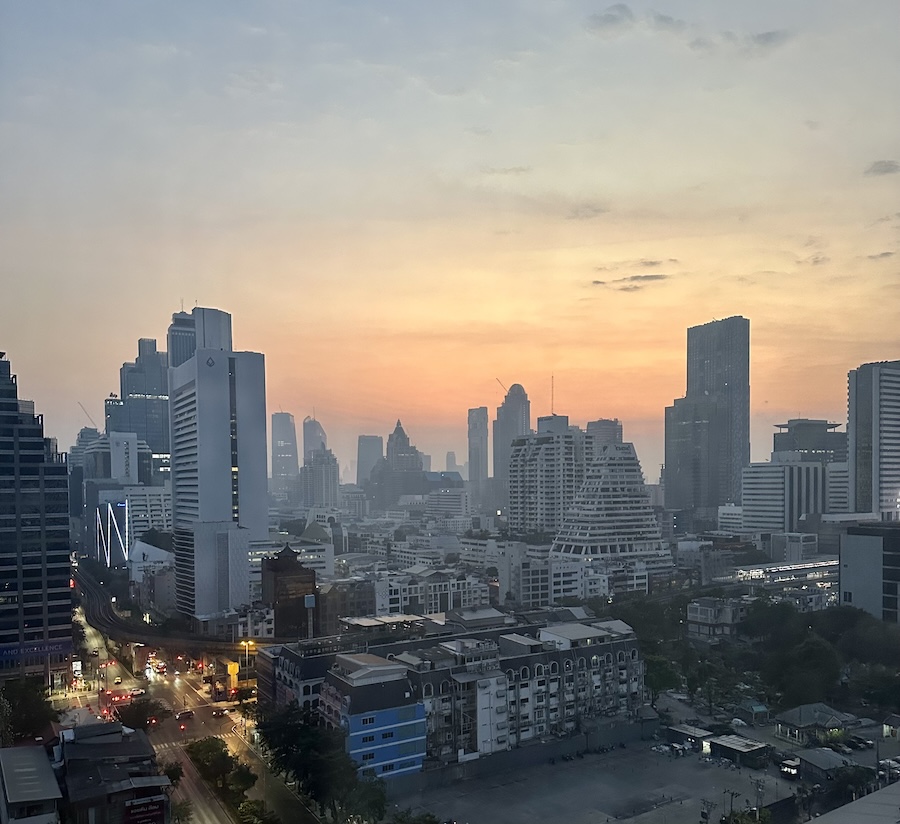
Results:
[385, 735]
[387, 768]
[848, 597]
[368, 756]
[368, 739]
[368, 721]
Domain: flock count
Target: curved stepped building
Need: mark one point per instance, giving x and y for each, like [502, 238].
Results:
[611, 520]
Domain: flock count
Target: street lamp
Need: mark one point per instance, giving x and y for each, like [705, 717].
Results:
[246, 645]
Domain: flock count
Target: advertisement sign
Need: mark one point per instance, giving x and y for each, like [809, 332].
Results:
[146, 810]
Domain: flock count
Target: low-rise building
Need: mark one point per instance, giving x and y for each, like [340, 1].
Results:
[810, 723]
[31, 793]
[712, 619]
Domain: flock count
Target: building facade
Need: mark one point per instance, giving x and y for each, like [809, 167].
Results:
[775, 496]
[36, 600]
[513, 421]
[870, 570]
[873, 428]
[478, 451]
[285, 459]
[369, 451]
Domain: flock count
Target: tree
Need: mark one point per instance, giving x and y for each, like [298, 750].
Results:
[240, 779]
[33, 712]
[173, 770]
[255, 812]
[137, 714]
[660, 675]
[6, 736]
[212, 759]
[182, 812]
[407, 816]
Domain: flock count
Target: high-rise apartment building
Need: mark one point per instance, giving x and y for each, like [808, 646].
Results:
[36, 604]
[478, 451]
[369, 451]
[320, 480]
[708, 430]
[873, 428]
[314, 437]
[811, 440]
[219, 475]
[285, 460]
[513, 420]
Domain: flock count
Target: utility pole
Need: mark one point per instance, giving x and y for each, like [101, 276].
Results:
[733, 794]
[707, 808]
[760, 786]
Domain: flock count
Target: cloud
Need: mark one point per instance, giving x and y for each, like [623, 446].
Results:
[631, 283]
[619, 20]
[507, 170]
[614, 20]
[586, 211]
[880, 256]
[883, 167]
[479, 131]
[814, 260]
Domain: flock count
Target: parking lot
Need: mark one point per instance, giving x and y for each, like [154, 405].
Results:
[635, 784]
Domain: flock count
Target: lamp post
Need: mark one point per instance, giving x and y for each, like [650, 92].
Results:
[246, 645]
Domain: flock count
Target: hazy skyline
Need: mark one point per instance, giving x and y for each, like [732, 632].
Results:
[401, 202]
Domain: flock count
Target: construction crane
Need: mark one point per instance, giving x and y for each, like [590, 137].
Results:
[502, 386]
[88, 415]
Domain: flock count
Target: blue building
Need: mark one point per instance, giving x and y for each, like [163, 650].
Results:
[372, 700]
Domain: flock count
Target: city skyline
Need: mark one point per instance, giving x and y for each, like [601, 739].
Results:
[559, 196]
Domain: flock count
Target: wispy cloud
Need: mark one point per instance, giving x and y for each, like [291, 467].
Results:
[632, 283]
[883, 167]
[507, 170]
[814, 260]
[586, 211]
[619, 20]
[880, 256]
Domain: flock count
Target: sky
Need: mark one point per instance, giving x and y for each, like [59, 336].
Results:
[405, 205]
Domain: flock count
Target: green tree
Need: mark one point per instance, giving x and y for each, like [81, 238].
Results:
[255, 812]
[182, 812]
[212, 759]
[137, 714]
[660, 675]
[173, 770]
[6, 735]
[240, 779]
[33, 712]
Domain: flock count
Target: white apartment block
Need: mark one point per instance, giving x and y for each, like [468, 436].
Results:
[429, 592]
[448, 503]
[775, 496]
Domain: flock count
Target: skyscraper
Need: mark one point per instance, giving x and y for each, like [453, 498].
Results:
[200, 329]
[314, 437]
[285, 461]
[219, 475]
[708, 431]
[369, 451]
[873, 428]
[36, 607]
[478, 451]
[513, 420]
[402, 456]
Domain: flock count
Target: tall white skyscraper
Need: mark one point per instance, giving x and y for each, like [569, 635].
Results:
[219, 483]
[873, 429]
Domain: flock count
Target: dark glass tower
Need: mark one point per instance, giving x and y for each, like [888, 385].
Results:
[708, 431]
[513, 420]
[35, 598]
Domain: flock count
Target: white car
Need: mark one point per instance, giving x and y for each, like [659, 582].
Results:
[737, 722]
[137, 691]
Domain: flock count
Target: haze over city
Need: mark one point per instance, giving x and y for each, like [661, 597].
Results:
[401, 204]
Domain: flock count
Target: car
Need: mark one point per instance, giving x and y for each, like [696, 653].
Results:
[183, 715]
[117, 679]
[220, 712]
[138, 691]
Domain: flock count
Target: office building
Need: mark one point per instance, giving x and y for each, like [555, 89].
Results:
[320, 480]
[36, 607]
[513, 421]
[369, 451]
[708, 430]
[478, 452]
[219, 475]
[402, 456]
[314, 437]
[870, 569]
[775, 496]
[199, 329]
[873, 430]
[285, 459]
[611, 519]
[287, 587]
[811, 440]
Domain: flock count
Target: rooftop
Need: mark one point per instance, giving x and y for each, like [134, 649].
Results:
[27, 775]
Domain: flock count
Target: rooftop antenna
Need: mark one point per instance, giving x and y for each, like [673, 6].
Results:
[88, 416]
[552, 395]
[502, 386]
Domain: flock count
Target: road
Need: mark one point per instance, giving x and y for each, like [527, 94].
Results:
[180, 692]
